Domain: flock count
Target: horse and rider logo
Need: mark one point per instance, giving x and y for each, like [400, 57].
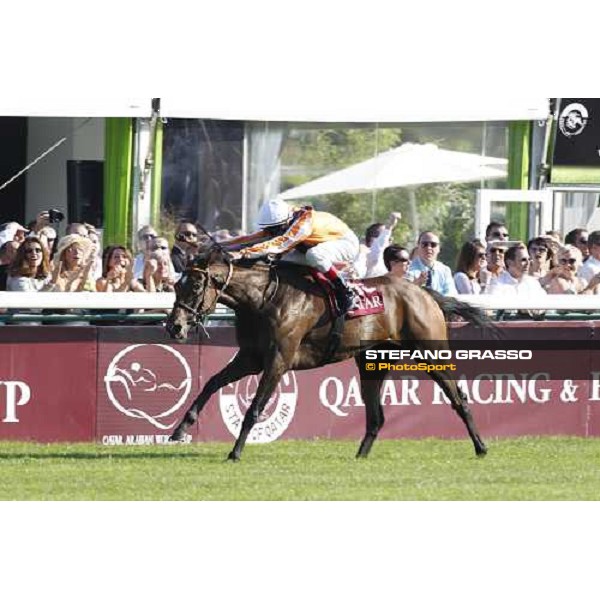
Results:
[573, 119]
[136, 389]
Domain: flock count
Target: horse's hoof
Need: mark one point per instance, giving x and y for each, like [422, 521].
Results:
[482, 451]
[176, 437]
[233, 457]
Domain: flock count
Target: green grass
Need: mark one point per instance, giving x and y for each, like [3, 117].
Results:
[514, 469]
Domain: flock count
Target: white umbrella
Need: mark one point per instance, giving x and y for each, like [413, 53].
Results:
[406, 165]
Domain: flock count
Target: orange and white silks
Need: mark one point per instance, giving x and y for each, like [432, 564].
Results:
[309, 227]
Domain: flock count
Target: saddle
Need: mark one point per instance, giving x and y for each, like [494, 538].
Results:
[367, 300]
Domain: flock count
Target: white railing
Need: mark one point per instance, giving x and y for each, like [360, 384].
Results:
[90, 300]
[549, 302]
[15, 300]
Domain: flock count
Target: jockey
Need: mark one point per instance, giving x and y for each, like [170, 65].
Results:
[305, 236]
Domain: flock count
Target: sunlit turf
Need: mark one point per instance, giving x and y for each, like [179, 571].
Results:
[515, 469]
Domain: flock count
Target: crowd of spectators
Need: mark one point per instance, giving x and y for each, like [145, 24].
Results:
[35, 258]
[546, 264]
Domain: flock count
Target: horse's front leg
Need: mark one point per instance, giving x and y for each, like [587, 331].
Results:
[266, 386]
[242, 364]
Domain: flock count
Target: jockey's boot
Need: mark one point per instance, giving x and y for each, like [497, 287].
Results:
[344, 296]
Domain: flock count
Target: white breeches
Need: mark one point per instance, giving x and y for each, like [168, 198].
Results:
[323, 256]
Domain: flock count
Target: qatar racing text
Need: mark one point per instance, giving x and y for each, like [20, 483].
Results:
[448, 355]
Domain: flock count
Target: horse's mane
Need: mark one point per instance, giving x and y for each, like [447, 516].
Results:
[258, 263]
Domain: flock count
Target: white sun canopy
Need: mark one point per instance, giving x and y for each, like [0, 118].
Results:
[406, 165]
[331, 105]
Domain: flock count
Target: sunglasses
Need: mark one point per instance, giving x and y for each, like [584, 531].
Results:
[429, 244]
[570, 261]
[402, 260]
[481, 255]
[499, 234]
[160, 248]
[582, 241]
[188, 234]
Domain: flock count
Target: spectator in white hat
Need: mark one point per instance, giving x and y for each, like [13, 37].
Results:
[12, 231]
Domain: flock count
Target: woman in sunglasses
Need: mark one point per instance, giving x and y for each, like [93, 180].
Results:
[29, 272]
[396, 259]
[563, 279]
[471, 261]
[30, 269]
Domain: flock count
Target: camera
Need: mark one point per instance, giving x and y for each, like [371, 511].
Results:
[55, 216]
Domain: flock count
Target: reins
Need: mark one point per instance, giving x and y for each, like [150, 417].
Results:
[272, 271]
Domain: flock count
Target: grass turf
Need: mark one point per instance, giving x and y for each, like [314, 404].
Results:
[559, 468]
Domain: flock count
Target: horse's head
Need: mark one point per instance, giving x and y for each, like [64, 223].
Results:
[199, 289]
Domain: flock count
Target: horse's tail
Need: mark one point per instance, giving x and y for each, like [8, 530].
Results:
[451, 307]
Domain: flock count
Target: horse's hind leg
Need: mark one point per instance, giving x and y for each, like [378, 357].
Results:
[370, 390]
[242, 364]
[458, 402]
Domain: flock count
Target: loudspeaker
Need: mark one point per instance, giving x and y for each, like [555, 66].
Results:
[85, 191]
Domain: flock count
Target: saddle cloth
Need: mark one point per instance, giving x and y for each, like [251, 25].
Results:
[367, 300]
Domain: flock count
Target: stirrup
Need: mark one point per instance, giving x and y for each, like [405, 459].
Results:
[344, 299]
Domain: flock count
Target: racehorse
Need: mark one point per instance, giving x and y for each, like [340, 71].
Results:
[282, 325]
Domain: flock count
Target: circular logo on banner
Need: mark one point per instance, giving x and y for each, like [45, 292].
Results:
[149, 381]
[235, 399]
[573, 119]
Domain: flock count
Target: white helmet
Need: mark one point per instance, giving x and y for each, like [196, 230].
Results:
[274, 212]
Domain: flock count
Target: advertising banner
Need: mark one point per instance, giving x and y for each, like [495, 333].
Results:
[48, 383]
[132, 385]
[533, 397]
[145, 384]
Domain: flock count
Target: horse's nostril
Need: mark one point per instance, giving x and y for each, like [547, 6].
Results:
[173, 329]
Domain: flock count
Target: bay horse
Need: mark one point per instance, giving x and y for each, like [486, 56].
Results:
[282, 325]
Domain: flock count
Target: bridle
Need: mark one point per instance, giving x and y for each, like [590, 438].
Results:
[198, 314]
